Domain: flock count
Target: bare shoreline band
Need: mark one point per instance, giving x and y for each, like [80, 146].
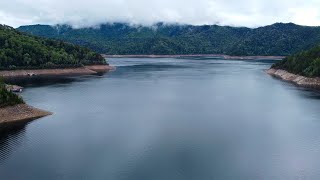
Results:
[86, 70]
[19, 114]
[298, 80]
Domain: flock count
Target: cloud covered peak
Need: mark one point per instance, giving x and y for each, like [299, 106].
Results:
[84, 13]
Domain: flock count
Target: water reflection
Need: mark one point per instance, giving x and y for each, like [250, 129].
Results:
[309, 93]
[302, 91]
[49, 80]
[11, 138]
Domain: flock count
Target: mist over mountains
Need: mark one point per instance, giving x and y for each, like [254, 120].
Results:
[122, 38]
[84, 13]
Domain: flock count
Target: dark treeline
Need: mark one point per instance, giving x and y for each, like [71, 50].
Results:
[22, 51]
[306, 63]
[120, 38]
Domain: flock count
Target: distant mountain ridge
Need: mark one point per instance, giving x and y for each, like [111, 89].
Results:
[120, 38]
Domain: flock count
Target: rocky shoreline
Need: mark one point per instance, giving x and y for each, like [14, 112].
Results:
[86, 70]
[298, 80]
[19, 115]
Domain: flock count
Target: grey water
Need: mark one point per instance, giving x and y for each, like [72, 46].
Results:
[163, 119]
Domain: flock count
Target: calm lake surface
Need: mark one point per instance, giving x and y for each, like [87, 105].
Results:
[168, 119]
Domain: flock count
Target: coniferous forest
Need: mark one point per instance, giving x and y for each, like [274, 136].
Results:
[8, 98]
[306, 63]
[22, 51]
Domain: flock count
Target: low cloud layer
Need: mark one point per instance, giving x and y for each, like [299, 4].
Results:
[79, 13]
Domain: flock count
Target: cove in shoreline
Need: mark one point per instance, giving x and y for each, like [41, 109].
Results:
[298, 80]
[12, 116]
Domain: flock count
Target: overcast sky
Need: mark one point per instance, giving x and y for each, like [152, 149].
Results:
[251, 13]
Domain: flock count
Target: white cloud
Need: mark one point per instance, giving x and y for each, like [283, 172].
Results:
[225, 12]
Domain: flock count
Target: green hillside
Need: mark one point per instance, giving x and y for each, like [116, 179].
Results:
[22, 51]
[306, 63]
[119, 38]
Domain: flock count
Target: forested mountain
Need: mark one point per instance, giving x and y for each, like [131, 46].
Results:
[306, 63]
[22, 51]
[120, 38]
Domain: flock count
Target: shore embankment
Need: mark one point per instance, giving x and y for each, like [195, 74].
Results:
[19, 114]
[85, 70]
[197, 55]
[299, 80]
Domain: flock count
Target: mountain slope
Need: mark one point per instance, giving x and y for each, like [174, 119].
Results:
[22, 51]
[306, 63]
[119, 38]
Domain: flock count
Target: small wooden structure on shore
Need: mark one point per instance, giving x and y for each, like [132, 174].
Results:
[14, 88]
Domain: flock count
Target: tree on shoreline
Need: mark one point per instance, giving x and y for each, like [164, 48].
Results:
[8, 98]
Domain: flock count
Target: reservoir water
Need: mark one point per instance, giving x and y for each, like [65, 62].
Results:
[163, 119]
